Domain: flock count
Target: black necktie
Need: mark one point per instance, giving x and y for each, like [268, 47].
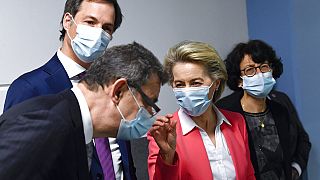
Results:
[78, 76]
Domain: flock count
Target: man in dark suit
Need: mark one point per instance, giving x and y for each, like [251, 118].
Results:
[45, 137]
[87, 28]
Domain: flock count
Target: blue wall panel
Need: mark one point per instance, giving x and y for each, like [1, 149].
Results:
[292, 27]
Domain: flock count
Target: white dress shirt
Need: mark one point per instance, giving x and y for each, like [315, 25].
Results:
[73, 69]
[219, 155]
[86, 121]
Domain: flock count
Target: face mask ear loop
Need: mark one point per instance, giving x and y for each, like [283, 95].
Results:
[120, 112]
[211, 84]
[69, 27]
[134, 97]
[213, 92]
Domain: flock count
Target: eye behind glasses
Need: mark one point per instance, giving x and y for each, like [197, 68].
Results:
[147, 100]
[252, 70]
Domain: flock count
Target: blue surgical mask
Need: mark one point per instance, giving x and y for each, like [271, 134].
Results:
[193, 100]
[259, 85]
[136, 128]
[89, 43]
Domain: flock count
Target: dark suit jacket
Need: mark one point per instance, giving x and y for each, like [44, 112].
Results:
[52, 78]
[43, 139]
[283, 124]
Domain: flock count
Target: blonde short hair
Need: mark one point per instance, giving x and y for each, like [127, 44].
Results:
[199, 53]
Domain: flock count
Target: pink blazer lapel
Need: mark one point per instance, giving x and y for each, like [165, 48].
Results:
[194, 153]
[236, 147]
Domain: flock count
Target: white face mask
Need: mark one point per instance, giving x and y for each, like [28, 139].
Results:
[259, 85]
[90, 42]
[194, 100]
[136, 128]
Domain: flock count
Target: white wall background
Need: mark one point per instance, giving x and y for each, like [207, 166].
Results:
[29, 36]
[30, 30]
[158, 25]
[29, 33]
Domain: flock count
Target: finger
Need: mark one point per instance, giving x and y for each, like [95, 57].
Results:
[162, 119]
[169, 116]
[155, 132]
[173, 123]
[158, 123]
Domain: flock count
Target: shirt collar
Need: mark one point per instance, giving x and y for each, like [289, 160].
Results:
[85, 114]
[72, 68]
[187, 124]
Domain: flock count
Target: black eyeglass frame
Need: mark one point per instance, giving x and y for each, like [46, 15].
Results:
[146, 99]
[255, 69]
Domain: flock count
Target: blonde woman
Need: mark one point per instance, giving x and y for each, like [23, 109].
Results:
[199, 141]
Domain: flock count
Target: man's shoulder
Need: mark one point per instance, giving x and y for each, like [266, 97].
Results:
[41, 71]
[41, 104]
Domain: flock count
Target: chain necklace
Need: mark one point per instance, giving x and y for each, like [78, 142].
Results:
[261, 122]
[261, 119]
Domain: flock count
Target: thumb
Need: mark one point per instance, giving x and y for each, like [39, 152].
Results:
[173, 123]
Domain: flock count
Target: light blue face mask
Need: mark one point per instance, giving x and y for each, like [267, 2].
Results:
[136, 128]
[90, 42]
[193, 100]
[259, 85]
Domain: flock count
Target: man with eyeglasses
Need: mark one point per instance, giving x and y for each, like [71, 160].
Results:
[116, 98]
[87, 27]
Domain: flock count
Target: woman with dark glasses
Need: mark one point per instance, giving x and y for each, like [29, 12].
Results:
[279, 146]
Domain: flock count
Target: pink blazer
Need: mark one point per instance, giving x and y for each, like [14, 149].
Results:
[191, 160]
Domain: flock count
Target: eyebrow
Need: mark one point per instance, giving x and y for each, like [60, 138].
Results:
[194, 79]
[95, 19]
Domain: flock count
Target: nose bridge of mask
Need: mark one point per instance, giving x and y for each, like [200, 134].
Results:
[254, 84]
[187, 92]
[193, 100]
[257, 79]
[186, 89]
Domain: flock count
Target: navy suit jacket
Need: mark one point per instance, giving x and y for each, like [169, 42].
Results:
[43, 139]
[51, 78]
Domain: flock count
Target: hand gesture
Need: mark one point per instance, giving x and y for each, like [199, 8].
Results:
[164, 133]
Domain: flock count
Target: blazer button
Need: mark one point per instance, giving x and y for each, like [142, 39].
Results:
[99, 176]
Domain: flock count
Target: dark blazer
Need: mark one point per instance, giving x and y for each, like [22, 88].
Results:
[283, 124]
[51, 78]
[301, 144]
[43, 139]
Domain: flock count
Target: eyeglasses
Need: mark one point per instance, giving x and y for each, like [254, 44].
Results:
[252, 70]
[147, 100]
